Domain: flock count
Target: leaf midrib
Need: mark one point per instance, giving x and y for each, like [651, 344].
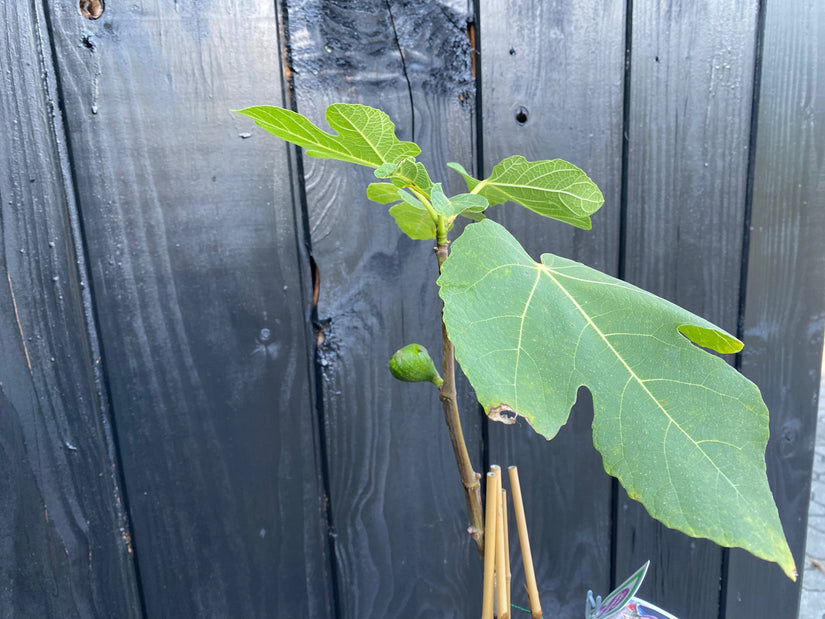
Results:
[520, 335]
[549, 273]
[499, 185]
[540, 268]
[309, 135]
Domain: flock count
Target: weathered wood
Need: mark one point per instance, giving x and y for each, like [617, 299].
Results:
[192, 247]
[552, 76]
[199, 274]
[784, 305]
[397, 504]
[690, 99]
[64, 540]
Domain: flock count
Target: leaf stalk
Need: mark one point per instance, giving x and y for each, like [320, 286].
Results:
[479, 186]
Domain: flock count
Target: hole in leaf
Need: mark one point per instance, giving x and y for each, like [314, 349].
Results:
[503, 414]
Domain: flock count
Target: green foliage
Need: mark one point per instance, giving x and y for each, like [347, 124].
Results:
[366, 136]
[413, 219]
[682, 430]
[407, 173]
[460, 204]
[555, 188]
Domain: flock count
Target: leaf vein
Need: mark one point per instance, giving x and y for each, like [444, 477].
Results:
[633, 375]
[521, 335]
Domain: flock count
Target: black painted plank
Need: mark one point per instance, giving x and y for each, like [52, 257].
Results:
[784, 307]
[64, 540]
[690, 99]
[192, 246]
[396, 500]
[552, 86]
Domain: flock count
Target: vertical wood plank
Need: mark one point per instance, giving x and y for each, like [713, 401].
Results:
[691, 76]
[64, 541]
[398, 510]
[196, 274]
[784, 307]
[552, 86]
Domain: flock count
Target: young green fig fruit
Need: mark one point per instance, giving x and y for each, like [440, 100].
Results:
[414, 365]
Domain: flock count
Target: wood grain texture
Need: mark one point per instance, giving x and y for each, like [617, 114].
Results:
[561, 66]
[690, 100]
[192, 247]
[64, 540]
[784, 307]
[400, 520]
[134, 207]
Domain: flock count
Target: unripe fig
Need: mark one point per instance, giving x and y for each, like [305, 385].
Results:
[414, 365]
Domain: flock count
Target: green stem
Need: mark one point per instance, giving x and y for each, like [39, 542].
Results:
[425, 200]
[449, 402]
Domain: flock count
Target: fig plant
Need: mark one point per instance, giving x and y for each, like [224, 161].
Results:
[682, 430]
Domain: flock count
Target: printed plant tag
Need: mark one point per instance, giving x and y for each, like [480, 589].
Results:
[614, 603]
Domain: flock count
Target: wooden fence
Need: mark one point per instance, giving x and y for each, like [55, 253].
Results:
[196, 419]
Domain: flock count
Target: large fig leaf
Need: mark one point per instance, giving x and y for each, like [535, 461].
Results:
[366, 136]
[682, 430]
[553, 188]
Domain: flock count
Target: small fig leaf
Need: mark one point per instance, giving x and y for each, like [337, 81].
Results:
[412, 173]
[469, 203]
[552, 188]
[456, 205]
[473, 215]
[414, 221]
[385, 170]
[383, 193]
[365, 135]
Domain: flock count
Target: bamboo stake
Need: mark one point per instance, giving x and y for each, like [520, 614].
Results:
[501, 567]
[506, 545]
[493, 489]
[527, 556]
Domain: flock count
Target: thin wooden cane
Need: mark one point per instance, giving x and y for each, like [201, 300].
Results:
[493, 490]
[524, 540]
[506, 544]
[503, 609]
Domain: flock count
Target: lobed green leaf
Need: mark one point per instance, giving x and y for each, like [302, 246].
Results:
[552, 188]
[366, 136]
[683, 432]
